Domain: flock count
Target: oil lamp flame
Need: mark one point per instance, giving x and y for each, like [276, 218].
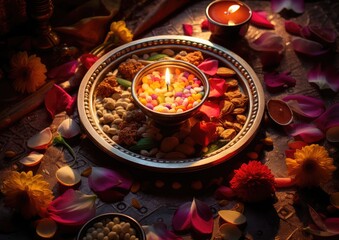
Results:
[232, 9]
[167, 78]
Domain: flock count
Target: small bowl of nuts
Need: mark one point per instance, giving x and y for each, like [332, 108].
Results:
[112, 226]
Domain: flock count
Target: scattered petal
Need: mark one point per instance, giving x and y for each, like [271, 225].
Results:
[230, 232]
[58, 100]
[259, 18]
[218, 87]
[309, 133]
[72, 208]
[317, 219]
[305, 105]
[329, 119]
[325, 77]
[233, 217]
[88, 59]
[276, 82]
[270, 47]
[69, 128]
[46, 228]
[332, 225]
[321, 34]
[195, 215]
[317, 232]
[67, 176]
[32, 159]
[209, 66]
[293, 27]
[41, 140]
[296, 144]
[210, 109]
[188, 29]
[308, 47]
[297, 6]
[65, 70]
[205, 25]
[204, 133]
[110, 185]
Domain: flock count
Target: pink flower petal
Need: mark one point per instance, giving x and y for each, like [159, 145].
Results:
[110, 185]
[88, 59]
[41, 140]
[204, 133]
[332, 225]
[321, 34]
[324, 76]
[58, 100]
[65, 70]
[205, 25]
[270, 47]
[210, 109]
[259, 19]
[309, 133]
[195, 215]
[297, 6]
[217, 87]
[209, 66]
[308, 47]
[276, 82]
[293, 28]
[329, 119]
[188, 29]
[305, 106]
[317, 219]
[72, 208]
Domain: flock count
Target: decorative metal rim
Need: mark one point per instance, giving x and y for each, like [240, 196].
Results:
[250, 84]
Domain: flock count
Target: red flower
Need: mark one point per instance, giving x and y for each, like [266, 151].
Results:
[253, 182]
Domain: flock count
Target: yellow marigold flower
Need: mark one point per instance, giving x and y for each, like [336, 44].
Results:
[120, 33]
[28, 194]
[27, 72]
[311, 166]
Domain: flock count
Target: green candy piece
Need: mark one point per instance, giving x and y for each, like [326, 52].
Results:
[124, 82]
[156, 57]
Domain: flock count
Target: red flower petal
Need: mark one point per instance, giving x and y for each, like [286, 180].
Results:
[195, 215]
[58, 100]
[110, 185]
[325, 77]
[205, 25]
[296, 145]
[65, 70]
[305, 106]
[88, 59]
[321, 34]
[209, 66]
[297, 6]
[309, 133]
[159, 231]
[276, 82]
[332, 225]
[224, 192]
[210, 109]
[218, 87]
[329, 119]
[293, 28]
[188, 29]
[72, 208]
[308, 47]
[204, 133]
[259, 18]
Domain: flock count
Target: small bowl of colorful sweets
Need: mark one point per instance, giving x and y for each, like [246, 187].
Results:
[170, 91]
[112, 226]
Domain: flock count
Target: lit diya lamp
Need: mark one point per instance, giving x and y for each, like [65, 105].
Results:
[279, 112]
[170, 91]
[228, 18]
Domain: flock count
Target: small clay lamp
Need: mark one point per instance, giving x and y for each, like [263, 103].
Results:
[279, 112]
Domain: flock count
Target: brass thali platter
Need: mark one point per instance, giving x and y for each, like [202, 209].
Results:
[248, 81]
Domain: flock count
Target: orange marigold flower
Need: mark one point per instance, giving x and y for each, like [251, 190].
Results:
[253, 182]
[27, 72]
[310, 166]
[28, 194]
